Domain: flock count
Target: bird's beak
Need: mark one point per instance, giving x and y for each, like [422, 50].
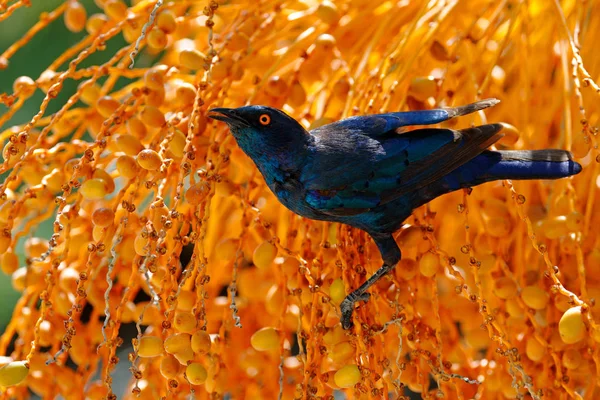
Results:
[227, 115]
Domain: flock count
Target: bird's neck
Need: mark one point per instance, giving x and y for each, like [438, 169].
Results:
[277, 162]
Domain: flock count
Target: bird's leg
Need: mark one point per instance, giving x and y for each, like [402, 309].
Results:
[391, 255]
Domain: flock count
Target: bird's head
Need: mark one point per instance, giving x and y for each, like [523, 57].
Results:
[263, 132]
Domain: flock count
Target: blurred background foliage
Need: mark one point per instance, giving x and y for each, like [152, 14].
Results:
[32, 60]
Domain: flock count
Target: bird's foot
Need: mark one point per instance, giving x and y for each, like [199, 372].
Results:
[347, 307]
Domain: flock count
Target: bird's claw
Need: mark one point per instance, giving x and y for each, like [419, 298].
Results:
[347, 307]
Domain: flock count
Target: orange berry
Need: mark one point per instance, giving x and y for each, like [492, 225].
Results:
[297, 95]
[152, 116]
[141, 245]
[422, 88]
[196, 373]
[115, 9]
[24, 86]
[192, 59]
[9, 262]
[534, 349]
[177, 343]
[105, 176]
[95, 23]
[75, 16]
[154, 78]
[276, 87]
[184, 321]
[107, 106]
[169, 366]
[429, 264]
[103, 217]
[127, 167]
[177, 144]
[195, 194]
[535, 297]
[572, 358]
[136, 127]
[201, 342]
[149, 160]
[185, 94]
[342, 352]
[167, 21]
[67, 280]
[129, 144]
[505, 288]
[157, 39]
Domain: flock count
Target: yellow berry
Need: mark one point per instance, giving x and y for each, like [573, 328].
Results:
[93, 189]
[297, 95]
[141, 245]
[422, 88]
[157, 39]
[96, 23]
[265, 339]
[342, 352]
[166, 21]
[571, 327]
[201, 342]
[152, 116]
[337, 291]
[115, 9]
[429, 264]
[534, 297]
[129, 144]
[150, 346]
[185, 355]
[196, 373]
[75, 16]
[13, 373]
[185, 94]
[105, 176]
[177, 342]
[264, 255]
[136, 128]
[192, 59]
[347, 376]
[505, 288]
[556, 227]
[276, 87]
[149, 160]
[534, 349]
[169, 367]
[184, 321]
[575, 221]
[127, 167]
[328, 12]
[24, 86]
[106, 106]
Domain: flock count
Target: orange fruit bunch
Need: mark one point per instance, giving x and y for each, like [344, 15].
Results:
[169, 256]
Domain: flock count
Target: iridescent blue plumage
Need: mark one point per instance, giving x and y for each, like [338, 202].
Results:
[364, 172]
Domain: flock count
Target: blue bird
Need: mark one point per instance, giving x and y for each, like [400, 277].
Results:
[362, 172]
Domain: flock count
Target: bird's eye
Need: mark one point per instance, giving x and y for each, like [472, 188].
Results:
[264, 119]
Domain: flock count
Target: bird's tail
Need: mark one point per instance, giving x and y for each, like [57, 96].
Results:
[528, 164]
[471, 108]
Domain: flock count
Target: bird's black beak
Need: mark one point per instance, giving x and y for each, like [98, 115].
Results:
[227, 115]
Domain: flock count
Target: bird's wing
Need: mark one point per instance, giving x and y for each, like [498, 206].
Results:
[353, 180]
[381, 124]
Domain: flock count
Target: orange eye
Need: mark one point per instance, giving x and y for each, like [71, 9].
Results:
[264, 119]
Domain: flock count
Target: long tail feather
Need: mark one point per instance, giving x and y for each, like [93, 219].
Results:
[530, 164]
[471, 108]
